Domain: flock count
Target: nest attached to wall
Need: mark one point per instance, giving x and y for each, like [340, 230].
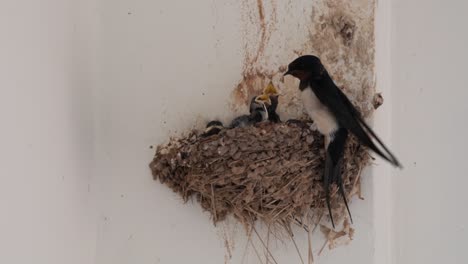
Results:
[270, 172]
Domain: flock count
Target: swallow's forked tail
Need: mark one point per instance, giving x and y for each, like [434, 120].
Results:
[333, 160]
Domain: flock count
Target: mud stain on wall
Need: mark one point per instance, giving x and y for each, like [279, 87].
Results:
[340, 32]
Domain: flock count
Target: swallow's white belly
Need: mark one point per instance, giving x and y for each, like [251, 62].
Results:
[322, 117]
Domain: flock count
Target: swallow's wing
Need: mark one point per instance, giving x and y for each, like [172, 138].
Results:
[348, 117]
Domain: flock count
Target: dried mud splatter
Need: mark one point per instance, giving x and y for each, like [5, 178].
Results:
[340, 32]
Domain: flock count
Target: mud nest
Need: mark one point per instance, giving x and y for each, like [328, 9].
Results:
[268, 172]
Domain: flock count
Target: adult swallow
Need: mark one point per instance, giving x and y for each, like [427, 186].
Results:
[213, 128]
[335, 116]
[273, 93]
[258, 112]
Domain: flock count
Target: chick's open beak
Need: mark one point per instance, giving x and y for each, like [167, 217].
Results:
[271, 90]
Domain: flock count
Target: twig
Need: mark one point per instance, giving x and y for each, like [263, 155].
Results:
[324, 244]
[263, 243]
[306, 221]
[213, 205]
[282, 210]
[256, 251]
[311, 254]
[295, 245]
[268, 245]
[301, 224]
[318, 222]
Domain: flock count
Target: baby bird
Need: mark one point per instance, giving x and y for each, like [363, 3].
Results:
[273, 94]
[213, 128]
[258, 112]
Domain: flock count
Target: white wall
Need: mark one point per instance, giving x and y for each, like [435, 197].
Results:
[429, 117]
[46, 214]
[54, 211]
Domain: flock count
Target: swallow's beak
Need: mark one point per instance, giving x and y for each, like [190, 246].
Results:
[287, 73]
